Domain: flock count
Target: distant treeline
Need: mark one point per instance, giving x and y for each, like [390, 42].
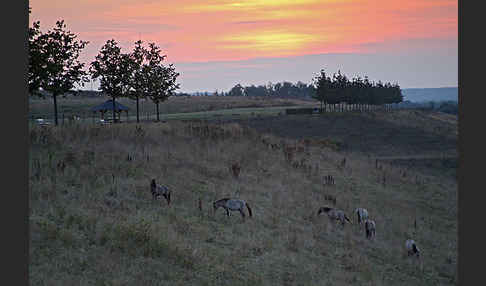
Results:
[328, 90]
[281, 89]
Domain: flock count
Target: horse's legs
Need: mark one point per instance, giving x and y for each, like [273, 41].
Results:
[227, 212]
[242, 213]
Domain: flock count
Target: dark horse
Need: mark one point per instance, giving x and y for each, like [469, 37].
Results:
[334, 214]
[233, 205]
[159, 190]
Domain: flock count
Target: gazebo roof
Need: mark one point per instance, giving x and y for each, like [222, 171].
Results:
[108, 105]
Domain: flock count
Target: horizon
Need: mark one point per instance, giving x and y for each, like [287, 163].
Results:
[215, 45]
[210, 93]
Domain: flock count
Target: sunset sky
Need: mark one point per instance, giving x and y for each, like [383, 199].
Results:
[217, 44]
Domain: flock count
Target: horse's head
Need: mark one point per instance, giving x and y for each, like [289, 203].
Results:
[324, 209]
[416, 250]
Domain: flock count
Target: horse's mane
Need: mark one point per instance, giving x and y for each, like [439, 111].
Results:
[222, 200]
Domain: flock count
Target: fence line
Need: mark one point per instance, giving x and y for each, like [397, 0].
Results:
[348, 108]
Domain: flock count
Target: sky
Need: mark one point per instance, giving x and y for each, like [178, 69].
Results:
[215, 45]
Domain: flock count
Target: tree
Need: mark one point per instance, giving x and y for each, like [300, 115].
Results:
[138, 68]
[53, 61]
[159, 80]
[237, 90]
[115, 71]
[325, 90]
[36, 59]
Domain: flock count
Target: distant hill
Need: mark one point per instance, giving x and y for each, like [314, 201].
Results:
[430, 94]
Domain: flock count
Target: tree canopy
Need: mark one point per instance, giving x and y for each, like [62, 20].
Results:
[53, 61]
[340, 89]
[115, 71]
[161, 79]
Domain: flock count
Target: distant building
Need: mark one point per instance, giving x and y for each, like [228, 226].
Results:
[108, 106]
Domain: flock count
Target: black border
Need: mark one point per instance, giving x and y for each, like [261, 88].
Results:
[470, 174]
[14, 210]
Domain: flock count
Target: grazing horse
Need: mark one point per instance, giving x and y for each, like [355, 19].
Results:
[362, 214]
[233, 205]
[412, 247]
[334, 214]
[370, 227]
[159, 190]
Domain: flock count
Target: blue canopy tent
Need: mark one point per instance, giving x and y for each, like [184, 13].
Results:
[108, 106]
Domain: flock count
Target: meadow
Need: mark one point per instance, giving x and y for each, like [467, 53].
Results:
[93, 221]
[81, 106]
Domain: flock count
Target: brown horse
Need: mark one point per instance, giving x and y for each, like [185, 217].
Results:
[159, 190]
[232, 205]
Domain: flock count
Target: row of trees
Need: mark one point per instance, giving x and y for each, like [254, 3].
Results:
[136, 75]
[327, 89]
[54, 68]
[339, 88]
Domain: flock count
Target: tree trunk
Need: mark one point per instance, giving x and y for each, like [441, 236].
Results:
[138, 121]
[114, 118]
[157, 104]
[54, 96]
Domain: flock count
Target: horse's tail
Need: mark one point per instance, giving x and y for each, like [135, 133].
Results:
[249, 209]
[153, 185]
[346, 217]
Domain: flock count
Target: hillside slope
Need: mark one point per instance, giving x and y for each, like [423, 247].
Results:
[93, 221]
[430, 94]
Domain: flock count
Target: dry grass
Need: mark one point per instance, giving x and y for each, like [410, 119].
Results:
[94, 222]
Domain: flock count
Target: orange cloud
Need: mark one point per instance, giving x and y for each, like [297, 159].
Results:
[192, 30]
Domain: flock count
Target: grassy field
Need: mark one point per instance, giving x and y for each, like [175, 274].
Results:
[81, 106]
[94, 222]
